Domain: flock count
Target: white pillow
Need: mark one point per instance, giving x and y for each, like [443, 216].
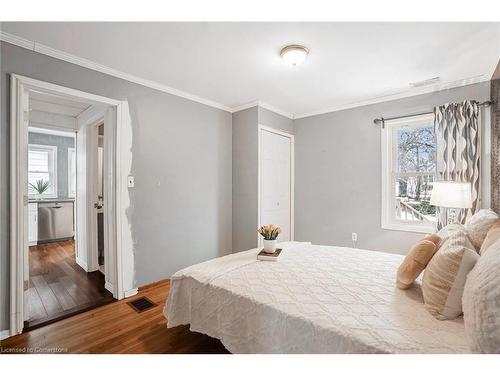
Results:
[478, 225]
[481, 303]
[445, 275]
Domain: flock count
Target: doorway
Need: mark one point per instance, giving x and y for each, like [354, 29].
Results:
[55, 269]
[60, 284]
[276, 181]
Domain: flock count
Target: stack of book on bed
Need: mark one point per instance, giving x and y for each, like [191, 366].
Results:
[271, 257]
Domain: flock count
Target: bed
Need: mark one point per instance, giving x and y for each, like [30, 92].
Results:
[315, 299]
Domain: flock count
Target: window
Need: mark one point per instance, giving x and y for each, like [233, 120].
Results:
[408, 172]
[71, 172]
[42, 162]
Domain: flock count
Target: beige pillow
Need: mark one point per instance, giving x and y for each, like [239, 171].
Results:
[481, 303]
[445, 276]
[492, 237]
[446, 231]
[478, 225]
[416, 260]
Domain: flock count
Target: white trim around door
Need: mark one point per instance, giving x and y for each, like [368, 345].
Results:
[262, 128]
[118, 198]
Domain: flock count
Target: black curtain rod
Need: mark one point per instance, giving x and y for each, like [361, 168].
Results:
[383, 119]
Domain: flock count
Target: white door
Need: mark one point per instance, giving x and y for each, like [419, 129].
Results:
[86, 194]
[276, 182]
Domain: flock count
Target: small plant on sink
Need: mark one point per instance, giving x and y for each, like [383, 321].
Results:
[40, 186]
[270, 233]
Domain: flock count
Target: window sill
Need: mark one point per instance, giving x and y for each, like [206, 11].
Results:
[427, 229]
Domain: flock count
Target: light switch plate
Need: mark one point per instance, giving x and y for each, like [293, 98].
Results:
[130, 181]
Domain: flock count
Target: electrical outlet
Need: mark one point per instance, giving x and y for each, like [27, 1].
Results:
[354, 236]
[130, 181]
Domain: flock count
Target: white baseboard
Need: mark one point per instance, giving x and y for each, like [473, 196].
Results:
[5, 334]
[82, 264]
[130, 293]
[108, 286]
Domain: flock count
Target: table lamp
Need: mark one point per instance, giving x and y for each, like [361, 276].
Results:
[451, 195]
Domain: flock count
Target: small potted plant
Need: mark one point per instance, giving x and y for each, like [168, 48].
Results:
[270, 233]
[40, 186]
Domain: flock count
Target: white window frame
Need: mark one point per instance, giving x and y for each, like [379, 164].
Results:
[389, 164]
[71, 150]
[52, 166]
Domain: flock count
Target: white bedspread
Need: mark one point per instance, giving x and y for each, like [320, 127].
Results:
[315, 299]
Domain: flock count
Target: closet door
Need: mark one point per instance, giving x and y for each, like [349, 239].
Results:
[276, 181]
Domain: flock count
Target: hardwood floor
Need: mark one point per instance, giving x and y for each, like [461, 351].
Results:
[58, 286]
[116, 328]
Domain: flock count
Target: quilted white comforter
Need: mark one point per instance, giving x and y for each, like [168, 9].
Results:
[315, 299]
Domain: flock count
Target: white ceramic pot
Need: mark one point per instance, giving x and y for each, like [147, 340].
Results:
[269, 246]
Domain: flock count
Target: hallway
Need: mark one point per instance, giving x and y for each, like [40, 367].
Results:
[58, 286]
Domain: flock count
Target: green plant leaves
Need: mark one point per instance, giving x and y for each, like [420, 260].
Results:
[40, 186]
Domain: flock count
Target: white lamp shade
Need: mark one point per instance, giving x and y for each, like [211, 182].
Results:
[451, 194]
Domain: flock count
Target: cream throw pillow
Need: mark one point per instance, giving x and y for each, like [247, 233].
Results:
[416, 260]
[492, 237]
[445, 276]
[445, 232]
[478, 225]
[481, 302]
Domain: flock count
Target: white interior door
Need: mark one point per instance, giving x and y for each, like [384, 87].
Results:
[89, 156]
[86, 192]
[276, 182]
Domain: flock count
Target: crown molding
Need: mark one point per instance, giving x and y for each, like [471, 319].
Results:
[89, 64]
[242, 107]
[16, 40]
[276, 110]
[58, 54]
[401, 95]
[258, 103]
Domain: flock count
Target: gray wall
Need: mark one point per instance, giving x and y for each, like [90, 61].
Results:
[245, 170]
[338, 171]
[181, 206]
[274, 120]
[196, 176]
[62, 143]
[245, 179]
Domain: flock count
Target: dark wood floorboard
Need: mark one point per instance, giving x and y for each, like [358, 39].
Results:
[37, 311]
[58, 286]
[62, 295]
[118, 328]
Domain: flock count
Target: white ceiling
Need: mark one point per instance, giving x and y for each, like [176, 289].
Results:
[59, 105]
[237, 63]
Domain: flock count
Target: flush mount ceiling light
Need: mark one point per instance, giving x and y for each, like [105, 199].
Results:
[294, 54]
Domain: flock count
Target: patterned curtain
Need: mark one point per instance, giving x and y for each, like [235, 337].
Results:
[457, 128]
